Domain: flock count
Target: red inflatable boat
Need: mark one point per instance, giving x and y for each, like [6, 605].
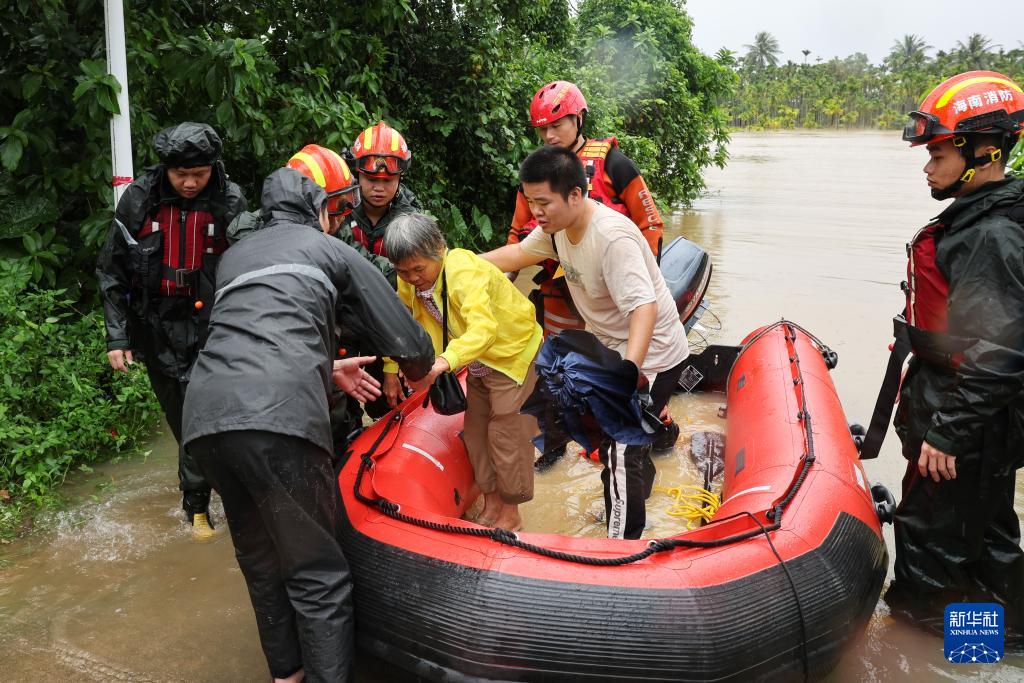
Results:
[775, 587]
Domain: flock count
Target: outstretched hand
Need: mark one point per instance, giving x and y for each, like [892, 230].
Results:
[349, 376]
[440, 365]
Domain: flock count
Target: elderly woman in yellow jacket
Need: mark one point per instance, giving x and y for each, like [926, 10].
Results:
[493, 330]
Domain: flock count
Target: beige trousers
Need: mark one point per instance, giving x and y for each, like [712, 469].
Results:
[498, 437]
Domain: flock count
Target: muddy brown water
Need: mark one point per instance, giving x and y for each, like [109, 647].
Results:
[809, 226]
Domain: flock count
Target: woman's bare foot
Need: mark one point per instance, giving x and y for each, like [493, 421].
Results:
[509, 519]
[493, 506]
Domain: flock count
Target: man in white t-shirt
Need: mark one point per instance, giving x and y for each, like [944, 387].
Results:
[620, 293]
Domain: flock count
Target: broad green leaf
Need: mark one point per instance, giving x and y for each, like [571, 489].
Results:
[93, 68]
[10, 153]
[82, 88]
[21, 215]
[106, 100]
[225, 113]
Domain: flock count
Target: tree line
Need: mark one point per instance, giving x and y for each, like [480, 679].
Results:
[851, 92]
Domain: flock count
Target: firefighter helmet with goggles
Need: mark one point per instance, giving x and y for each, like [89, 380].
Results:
[984, 102]
[555, 100]
[380, 151]
[328, 170]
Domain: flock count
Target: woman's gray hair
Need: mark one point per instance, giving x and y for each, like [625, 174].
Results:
[414, 234]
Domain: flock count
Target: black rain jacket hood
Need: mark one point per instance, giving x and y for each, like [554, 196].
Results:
[290, 197]
[187, 145]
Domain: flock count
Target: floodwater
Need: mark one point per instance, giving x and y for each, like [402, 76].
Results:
[806, 225]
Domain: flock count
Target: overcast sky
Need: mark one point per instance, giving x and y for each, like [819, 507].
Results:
[829, 28]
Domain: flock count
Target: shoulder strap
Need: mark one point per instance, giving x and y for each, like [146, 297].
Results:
[564, 286]
[595, 148]
[444, 309]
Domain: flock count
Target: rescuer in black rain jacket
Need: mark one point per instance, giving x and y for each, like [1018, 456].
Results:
[960, 415]
[256, 416]
[156, 275]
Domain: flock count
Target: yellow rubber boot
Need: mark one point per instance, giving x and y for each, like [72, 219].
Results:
[201, 529]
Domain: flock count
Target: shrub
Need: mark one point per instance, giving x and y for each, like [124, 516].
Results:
[62, 406]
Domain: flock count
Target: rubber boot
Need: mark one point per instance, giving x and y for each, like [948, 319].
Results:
[666, 441]
[202, 528]
[196, 505]
[548, 459]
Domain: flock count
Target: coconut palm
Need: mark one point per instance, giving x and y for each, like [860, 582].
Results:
[908, 51]
[976, 52]
[764, 52]
[725, 56]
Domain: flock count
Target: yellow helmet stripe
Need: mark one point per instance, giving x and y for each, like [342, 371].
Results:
[948, 95]
[394, 142]
[368, 138]
[314, 167]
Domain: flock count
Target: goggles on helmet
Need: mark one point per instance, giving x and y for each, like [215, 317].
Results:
[922, 127]
[382, 164]
[340, 203]
[994, 121]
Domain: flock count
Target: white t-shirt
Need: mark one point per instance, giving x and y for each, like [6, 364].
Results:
[610, 273]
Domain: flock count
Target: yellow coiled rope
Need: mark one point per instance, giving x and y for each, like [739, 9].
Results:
[692, 503]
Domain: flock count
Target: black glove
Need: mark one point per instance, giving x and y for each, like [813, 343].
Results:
[642, 385]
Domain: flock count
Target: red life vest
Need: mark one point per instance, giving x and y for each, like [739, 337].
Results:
[927, 289]
[593, 155]
[375, 246]
[558, 309]
[187, 237]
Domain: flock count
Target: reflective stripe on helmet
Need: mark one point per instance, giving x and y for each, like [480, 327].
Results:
[313, 166]
[957, 87]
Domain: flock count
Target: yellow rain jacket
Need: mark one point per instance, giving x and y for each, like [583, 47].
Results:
[488, 319]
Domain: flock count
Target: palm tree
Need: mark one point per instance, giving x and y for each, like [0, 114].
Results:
[725, 57]
[976, 52]
[806, 52]
[909, 51]
[764, 52]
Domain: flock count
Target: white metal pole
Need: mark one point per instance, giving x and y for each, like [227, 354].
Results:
[120, 124]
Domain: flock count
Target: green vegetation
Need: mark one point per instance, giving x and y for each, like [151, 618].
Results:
[455, 78]
[62, 408]
[852, 92]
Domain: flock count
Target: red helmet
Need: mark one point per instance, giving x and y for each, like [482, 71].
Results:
[380, 151]
[328, 170]
[971, 102]
[556, 100]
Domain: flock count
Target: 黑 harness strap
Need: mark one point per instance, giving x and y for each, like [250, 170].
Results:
[887, 394]
[565, 283]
